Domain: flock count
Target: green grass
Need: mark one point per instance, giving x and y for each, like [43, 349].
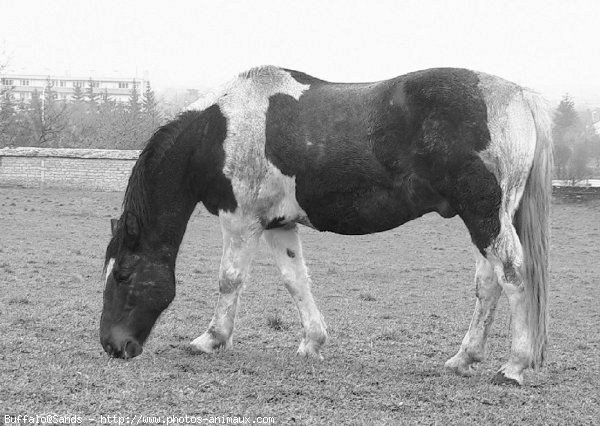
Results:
[396, 307]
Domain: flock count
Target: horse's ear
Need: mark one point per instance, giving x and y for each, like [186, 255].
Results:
[113, 226]
[132, 228]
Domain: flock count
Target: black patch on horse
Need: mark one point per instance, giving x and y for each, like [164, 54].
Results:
[212, 187]
[369, 157]
[181, 164]
[303, 78]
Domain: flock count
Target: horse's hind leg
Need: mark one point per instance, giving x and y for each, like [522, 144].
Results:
[488, 292]
[287, 251]
[506, 256]
[240, 241]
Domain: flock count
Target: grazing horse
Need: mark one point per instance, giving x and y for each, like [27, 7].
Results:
[275, 148]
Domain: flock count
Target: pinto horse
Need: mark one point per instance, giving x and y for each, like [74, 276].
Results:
[275, 148]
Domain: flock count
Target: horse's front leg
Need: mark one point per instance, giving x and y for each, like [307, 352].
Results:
[240, 241]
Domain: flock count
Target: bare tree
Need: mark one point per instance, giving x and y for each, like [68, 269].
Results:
[47, 118]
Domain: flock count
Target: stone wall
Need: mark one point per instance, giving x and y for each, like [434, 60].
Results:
[576, 194]
[93, 169]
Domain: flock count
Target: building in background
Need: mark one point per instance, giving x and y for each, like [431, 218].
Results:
[23, 85]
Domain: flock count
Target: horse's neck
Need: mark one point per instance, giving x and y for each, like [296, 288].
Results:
[171, 200]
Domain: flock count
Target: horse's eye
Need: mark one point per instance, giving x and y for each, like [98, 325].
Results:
[120, 275]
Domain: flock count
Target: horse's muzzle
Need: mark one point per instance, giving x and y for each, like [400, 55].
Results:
[121, 348]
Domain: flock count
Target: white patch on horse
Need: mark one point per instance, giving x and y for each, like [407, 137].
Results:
[109, 268]
[509, 156]
[259, 187]
[512, 130]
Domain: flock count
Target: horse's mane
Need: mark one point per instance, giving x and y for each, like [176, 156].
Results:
[137, 194]
[261, 71]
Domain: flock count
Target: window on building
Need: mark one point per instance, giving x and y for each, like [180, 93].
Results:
[8, 82]
[95, 84]
[77, 83]
[61, 83]
[24, 82]
[123, 85]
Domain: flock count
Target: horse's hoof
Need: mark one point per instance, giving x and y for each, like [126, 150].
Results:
[458, 367]
[208, 344]
[309, 350]
[461, 371]
[501, 379]
[310, 355]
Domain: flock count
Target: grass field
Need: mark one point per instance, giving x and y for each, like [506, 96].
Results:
[397, 305]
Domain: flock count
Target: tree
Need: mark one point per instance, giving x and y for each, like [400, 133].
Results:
[150, 107]
[567, 133]
[77, 93]
[7, 111]
[578, 165]
[80, 132]
[106, 101]
[134, 101]
[565, 118]
[7, 104]
[562, 156]
[7, 118]
[594, 148]
[591, 120]
[91, 96]
[4, 89]
[49, 92]
[21, 106]
[47, 118]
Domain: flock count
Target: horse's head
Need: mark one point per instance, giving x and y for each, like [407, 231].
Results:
[140, 284]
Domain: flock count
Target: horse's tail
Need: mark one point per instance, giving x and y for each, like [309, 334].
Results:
[532, 221]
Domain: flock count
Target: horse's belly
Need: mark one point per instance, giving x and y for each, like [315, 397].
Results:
[361, 212]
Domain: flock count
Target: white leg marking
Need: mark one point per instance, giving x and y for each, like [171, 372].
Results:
[488, 292]
[240, 240]
[287, 251]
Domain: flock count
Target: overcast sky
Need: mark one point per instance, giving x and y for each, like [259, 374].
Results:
[550, 45]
